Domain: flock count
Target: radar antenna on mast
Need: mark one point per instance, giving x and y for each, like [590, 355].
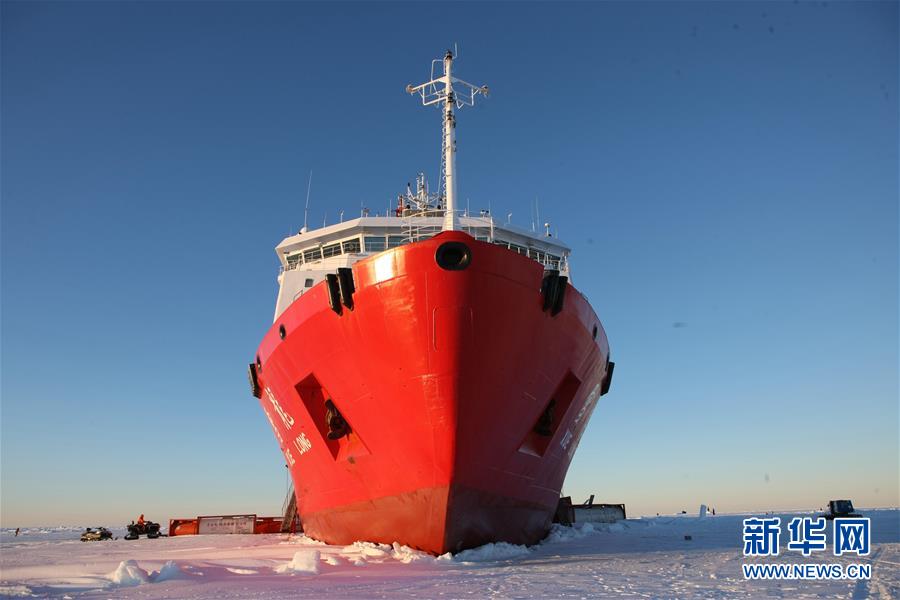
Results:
[448, 92]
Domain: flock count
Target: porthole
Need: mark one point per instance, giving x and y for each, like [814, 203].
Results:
[282, 332]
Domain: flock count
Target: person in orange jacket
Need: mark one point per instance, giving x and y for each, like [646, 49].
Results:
[140, 520]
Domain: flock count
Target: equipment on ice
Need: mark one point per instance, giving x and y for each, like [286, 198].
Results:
[589, 512]
[96, 535]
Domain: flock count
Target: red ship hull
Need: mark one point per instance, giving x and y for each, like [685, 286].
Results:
[443, 377]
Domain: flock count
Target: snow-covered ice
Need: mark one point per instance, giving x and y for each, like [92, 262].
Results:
[128, 573]
[637, 558]
[305, 562]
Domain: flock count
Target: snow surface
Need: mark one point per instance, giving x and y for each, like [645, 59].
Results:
[305, 562]
[638, 558]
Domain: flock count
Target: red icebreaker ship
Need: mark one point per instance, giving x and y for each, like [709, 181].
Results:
[428, 375]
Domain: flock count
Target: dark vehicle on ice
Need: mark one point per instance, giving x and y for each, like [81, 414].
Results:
[840, 509]
[149, 528]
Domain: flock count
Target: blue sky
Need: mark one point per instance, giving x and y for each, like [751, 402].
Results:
[726, 173]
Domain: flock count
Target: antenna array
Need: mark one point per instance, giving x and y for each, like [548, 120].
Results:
[449, 93]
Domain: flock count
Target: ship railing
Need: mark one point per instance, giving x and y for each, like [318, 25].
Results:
[480, 227]
[417, 228]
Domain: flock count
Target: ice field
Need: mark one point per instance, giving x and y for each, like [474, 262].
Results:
[647, 557]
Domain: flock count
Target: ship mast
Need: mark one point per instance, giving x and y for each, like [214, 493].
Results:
[447, 98]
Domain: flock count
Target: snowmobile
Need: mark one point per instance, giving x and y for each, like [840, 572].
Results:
[148, 528]
[96, 535]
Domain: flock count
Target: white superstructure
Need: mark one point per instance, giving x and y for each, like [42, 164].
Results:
[307, 257]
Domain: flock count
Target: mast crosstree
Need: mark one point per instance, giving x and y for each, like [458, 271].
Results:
[449, 93]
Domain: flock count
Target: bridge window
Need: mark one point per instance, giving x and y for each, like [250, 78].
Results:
[396, 240]
[313, 254]
[331, 250]
[351, 246]
[375, 243]
[294, 260]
